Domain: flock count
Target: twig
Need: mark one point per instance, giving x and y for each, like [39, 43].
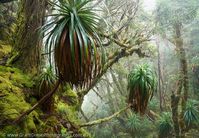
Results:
[83, 114]
[101, 98]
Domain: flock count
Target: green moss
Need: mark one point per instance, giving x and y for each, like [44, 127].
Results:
[4, 49]
[15, 76]
[68, 111]
[13, 57]
[9, 130]
[30, 124]
[49, 125]
[63, 130]
[70, 97]
[13, 103]
[10, 114]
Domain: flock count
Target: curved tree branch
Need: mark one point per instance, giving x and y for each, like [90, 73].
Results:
[106, 119]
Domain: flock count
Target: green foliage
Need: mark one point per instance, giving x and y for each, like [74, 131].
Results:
[165, 125]
[103, 132]
[46, 81]
[139, 126]
[134, 123]
[191, 115]
[72, 32]
[141, 85]
[154, 104]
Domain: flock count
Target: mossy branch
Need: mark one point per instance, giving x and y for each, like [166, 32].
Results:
[125, 51]
[106, 119]
[114, 58]
[42, 100]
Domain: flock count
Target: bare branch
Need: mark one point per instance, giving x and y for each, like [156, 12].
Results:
[101, 98]
[83, 114]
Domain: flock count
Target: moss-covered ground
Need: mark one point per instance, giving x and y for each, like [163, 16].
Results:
[16, 96]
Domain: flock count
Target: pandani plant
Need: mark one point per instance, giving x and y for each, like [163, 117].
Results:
[46, 82]
[134, 123]
[139, 126]
[141, 85]
[191, 114]
[72, 36]
[165, 125]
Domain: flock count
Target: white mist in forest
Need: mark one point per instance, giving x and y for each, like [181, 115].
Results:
[91, 99]
[149, 5]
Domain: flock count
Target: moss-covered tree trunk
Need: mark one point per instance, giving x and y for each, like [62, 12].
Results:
[27, 42]
[183, 73]
[159, 75]
[175, 114]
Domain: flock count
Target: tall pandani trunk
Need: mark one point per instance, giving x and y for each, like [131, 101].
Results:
[141, 85]
[138, 101]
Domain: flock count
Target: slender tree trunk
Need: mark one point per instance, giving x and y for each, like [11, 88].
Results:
[174, 108]
[183, 72]
[159, 74]
[28, 44]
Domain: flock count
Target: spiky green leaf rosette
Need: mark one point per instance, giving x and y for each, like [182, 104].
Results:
[46, 82]
[165, 125]
[191, 115]
[141, 85]
[72, 34]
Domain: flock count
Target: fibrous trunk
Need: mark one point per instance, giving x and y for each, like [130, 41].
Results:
[27, 43]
